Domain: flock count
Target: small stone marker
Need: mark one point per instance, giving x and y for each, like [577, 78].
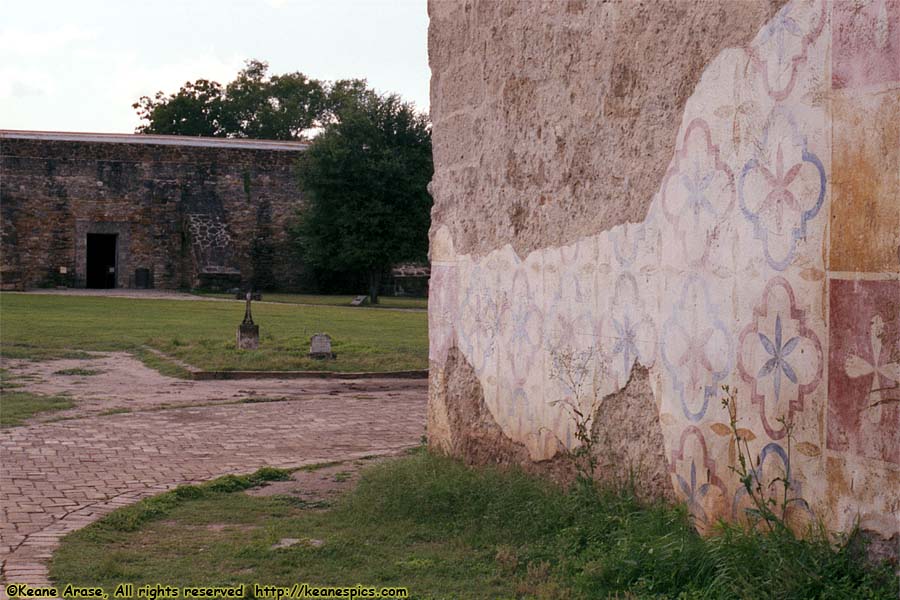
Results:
[248, 331]
[359, 301]
[288, 542]
[320, 346]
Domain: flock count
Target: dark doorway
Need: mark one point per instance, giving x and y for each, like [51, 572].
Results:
[101, 260]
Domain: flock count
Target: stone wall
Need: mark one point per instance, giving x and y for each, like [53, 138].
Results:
[193, 211]
[637, 203]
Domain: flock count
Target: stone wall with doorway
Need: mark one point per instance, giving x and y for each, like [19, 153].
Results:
[636, 203]
[155, 193]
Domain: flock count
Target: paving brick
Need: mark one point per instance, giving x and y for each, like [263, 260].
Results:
[108, 463]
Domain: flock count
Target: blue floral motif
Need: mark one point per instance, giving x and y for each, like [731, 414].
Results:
[693, 493]
[772, 451]
[626, 241]
[522, 325]
[480, 321]
[696, 186]
[781, 180]
[520, 316]
[632, 331]
[625, 342]
[695, 321]
[776, 28]
[778, 364]
[570, 275]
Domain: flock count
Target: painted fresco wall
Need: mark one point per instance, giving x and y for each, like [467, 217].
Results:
[769, 260]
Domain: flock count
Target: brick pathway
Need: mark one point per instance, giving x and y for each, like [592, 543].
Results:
[59, 476]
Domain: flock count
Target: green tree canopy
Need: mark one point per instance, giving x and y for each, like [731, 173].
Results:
[195, 110]
[255, 105]
[365, 179]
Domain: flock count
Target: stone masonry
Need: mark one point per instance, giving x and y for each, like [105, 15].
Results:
[192, 211]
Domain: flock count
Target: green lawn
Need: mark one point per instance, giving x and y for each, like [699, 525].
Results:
[447, 531]
[202, 333]
[16, 406]
[383, 301]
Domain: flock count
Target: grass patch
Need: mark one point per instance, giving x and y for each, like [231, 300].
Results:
[202, 334]
[78, 371]
[383, 301]
[447, 531]
[37, 353]
[17, 406]
[8, 382]
[163, 366]
[132, 518]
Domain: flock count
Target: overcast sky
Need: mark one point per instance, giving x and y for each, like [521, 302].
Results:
[78, 65]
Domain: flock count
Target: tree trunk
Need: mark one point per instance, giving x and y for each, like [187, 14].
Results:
[374, 284]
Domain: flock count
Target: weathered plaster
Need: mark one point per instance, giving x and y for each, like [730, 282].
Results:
[536, 104]
[767, 259]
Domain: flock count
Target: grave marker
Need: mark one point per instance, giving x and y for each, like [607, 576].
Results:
[248, 331]
[320, 347]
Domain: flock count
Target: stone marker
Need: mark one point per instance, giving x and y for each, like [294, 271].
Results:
[320, 346]
[248, 331]
[288, 542]
[359, 301]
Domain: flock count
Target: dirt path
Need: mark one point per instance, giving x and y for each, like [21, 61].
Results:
[58, 476]
[123, 383]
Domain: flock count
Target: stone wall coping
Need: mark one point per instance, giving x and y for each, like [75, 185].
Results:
[160, 140]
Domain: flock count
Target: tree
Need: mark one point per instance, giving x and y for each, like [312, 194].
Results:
[255, 105]
[195, 110]
[365, 179]
[280, 107]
